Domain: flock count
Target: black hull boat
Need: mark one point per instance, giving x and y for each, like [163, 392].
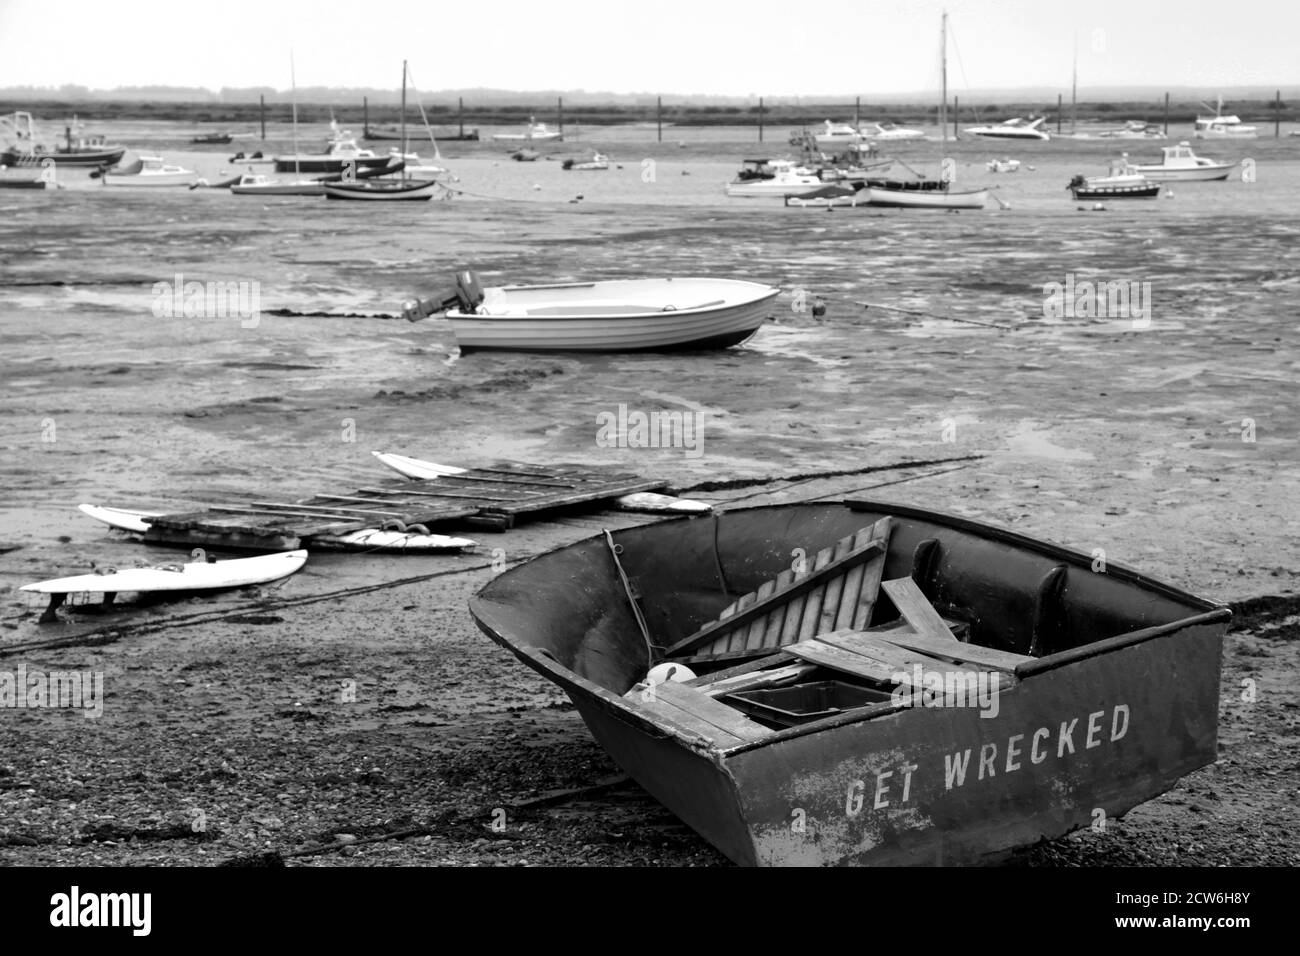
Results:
[1081, 188]
[806, 738]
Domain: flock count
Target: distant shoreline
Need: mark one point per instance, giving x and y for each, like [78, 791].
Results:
[55, 113]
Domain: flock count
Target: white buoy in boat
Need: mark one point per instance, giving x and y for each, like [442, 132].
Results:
[669, 672]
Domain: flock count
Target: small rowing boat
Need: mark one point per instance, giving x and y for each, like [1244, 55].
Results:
[620, 315]
[868, 683]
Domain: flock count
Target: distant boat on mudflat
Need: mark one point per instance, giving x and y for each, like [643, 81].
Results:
[1016, 128]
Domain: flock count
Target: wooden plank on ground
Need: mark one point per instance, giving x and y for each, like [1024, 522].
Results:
[955, 650]
[916, 609]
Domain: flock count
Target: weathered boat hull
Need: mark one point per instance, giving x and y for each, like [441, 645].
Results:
[1120, 701]
[1146, 191]
[1163, 174]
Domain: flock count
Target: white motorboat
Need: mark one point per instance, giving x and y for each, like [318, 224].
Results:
[1180, 164]
[1220, 126]
[535, 133]
[890, 133]
[775, 178]
[621, 315]
[416, 166]
[1016, 128]
[597, 161]
[1002, 165]
[152, 171]
[837, 136]
[251, 184]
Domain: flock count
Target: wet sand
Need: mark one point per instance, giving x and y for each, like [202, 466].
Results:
[1095, 432]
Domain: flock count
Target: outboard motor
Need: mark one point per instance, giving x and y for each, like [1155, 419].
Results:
[467, 294]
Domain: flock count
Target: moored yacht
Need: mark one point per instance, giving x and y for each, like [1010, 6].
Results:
[1220, 126]
[1015, 128]
[1181, 164]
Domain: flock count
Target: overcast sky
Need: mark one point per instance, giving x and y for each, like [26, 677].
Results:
[725, 47]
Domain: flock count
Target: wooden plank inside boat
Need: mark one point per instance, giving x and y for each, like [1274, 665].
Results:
[987, 657]
[916, 609]
[699, 713]
[839, 591]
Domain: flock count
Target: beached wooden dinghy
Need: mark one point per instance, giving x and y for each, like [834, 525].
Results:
[816, 732]
[620, 315]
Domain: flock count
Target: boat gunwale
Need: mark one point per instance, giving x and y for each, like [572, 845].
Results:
[626, 709]
[760, 295]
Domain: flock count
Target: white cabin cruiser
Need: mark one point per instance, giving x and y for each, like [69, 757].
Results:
[837, 136]
[1015, 128]
[1180, 164]
[535, 133]
[889, 133]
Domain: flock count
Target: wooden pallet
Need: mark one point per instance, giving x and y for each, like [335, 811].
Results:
[839, 591]
[492, 498]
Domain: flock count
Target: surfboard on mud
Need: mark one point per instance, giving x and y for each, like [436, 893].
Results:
[190, 576]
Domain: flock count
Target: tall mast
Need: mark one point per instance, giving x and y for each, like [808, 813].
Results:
[404, 173]
[943, 75]
[1074, 91]
[293, 86]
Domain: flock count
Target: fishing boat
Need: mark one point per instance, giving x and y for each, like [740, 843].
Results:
[890, 133]
[1180, 164]
[1002, 165]
[1016, 128]
[597, 162]
[837, 136]
[1220, 126]
[620, 315]
[535, 133]
[1124, 181]
[152, 171]
[771, 177]
[84, 151]
[800, 722]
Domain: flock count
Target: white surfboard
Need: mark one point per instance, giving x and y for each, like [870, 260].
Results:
[640, 501]
[192, 576]
[367, 539]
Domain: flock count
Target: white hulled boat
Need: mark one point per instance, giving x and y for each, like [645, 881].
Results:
[775, 178]
[621, 315]
[341, 150]
[837, 136]
[153, 171]
[1180, 164]
[251, 184]
[535, 133]
[1016, 128]
[890, 133]
[1220, 126]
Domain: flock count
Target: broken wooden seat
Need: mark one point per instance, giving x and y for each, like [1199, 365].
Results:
[838, 591]
[693, 711]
